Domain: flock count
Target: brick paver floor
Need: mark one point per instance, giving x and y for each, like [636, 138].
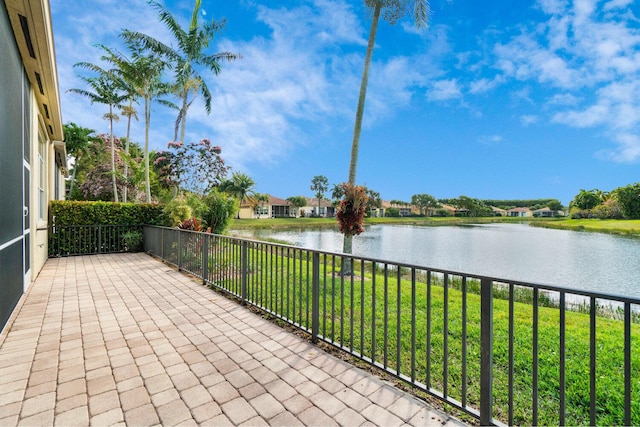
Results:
[125, 339]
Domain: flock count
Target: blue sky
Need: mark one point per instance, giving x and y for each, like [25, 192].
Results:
[496, 99]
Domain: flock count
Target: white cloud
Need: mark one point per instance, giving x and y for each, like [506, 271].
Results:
[586, 60]
[552, 6]
[617, 4]
[484, 85]
[301, 76]
[627, 150]
[523, 58]
[593, 116]
[563, 99]
[490, 140]
[444, 90]
[528, 119]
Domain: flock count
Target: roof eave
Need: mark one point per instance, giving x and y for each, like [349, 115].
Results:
[31, 23]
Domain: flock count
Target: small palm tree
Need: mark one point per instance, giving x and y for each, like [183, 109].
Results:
[239, 186]
[186, 57]
[107, 89]
[77, 140]
[319, 185]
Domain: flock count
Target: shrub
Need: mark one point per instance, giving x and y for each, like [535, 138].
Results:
[219, 209]
[178, 210]
[393, 212]
[611, 209]
[629, 198]
[132, 241]
[70, 212]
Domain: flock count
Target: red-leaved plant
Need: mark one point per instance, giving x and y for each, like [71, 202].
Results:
[191, 224]
[352, 209]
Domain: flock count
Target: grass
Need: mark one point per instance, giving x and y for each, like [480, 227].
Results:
[613, 226]
[244, 224]
[415, 327]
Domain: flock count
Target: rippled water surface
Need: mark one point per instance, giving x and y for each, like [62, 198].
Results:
[579, 260]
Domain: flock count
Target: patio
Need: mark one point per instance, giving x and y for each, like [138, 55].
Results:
[124, 338]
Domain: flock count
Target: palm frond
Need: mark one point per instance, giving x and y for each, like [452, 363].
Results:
[172, 25]
[206, 95]
[169, 104]
[421, 12]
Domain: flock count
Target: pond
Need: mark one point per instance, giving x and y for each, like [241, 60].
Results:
[578, 260]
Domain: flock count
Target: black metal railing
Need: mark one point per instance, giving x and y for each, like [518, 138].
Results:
[501, 351]
[94, 239]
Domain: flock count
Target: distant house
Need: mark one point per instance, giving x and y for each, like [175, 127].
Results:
[279, 208]
[544, 212]
[250, 210]
[376, 212]
[498, 211]
[450, 210]
[403, 209]
[326, 210]
[33, 164]
[275, 207]
[519, 212]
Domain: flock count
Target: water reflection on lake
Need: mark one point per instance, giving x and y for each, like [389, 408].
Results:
[591, 261]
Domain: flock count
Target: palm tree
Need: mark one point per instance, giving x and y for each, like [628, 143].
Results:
[130, 113]
[297, 202]
[186, 57]
[392, 11]
[140, 76]
[239, 186]
[123, 67]
[107, 89]
[260, 199]
[319, 185]
[77, 140]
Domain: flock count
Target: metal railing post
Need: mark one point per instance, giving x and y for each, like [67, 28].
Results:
[205, 258]
[486, 352]
[162, 244]
[315, 298]
[179, 250]
[243, 272]
[99, 239]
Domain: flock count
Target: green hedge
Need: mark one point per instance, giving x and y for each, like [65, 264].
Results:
[69, 212]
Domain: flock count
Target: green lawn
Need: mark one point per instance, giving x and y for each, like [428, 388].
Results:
[614, 226]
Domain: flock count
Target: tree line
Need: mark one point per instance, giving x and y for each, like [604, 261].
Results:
[622, 202]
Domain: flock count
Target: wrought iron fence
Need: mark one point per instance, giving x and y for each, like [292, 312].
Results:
[94, 239]
[504, 352]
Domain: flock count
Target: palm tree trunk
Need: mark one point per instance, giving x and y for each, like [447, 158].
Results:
[147, 123]
[183, 121]
[347, 244]
[126, 150]
[355, 145]
[73, 176]
[113, 156]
